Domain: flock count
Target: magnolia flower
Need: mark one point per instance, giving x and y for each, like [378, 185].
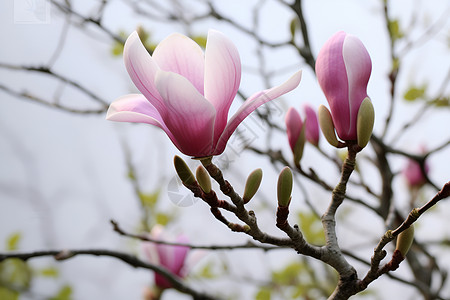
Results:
[171, 257]
[188, 93]
[413, 173]
[343, 69]
[312, 125]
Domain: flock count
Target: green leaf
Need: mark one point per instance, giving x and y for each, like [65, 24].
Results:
[289, 275]
[149, 200]
[162, 219]
[16, 273]
[200, 40]
[7, 294]
[13, 241]
[414, 93]
[49, 272]
[264, 294]
[293, 26]
[394, 30]
[65, 293]
[440, 102]
[312, 229]
[117, 49]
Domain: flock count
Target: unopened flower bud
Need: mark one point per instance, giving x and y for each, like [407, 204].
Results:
[183, 171]
[203, 179]
[295, 130]
[343, 68]
[252, 185]
[404, 240]
[365, 120]
[327, 126]
[284, 187]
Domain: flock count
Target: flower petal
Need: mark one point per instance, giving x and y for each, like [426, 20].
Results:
[142, 68]
[180, 253]
[358, 67]
[253, 103]
[135, 108]
[179, 54]
[294, 125]
[222, 76]
[312, 125]
[332, 77]
[190, 116]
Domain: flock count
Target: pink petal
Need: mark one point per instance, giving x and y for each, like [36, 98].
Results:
[253, 103]
[222, 76]
[180, 254]
[332, 77]
[312, 125]
[358, 67]
[190, 117]
[142, 69]
[179, 54]
[135, 108]
[294, 126]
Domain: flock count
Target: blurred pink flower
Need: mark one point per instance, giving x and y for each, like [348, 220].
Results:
[343, 69]
[171, 257]
[413, 173]
[188, 93]
[312, 125]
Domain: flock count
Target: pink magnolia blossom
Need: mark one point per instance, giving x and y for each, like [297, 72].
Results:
[187, 92]
[414, 174]
[312, 125]
[294, 126]
[343, 69]
[171, 257]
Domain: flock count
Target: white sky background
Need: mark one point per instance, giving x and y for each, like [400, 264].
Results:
[62, 176]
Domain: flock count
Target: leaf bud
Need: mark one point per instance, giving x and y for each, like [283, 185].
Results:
[404, 240]
[183, 171]
[284, 187]
[252, 185]
[203, 179]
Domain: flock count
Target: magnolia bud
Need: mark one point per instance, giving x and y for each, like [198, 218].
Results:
[295, 129]
[284, 187]
[252, 185]
[327, 126]
[343, 69]
[404, 240]
[183, 171]
[203, 179]
[365, 120]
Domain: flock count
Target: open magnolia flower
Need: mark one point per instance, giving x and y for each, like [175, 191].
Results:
[188, 93]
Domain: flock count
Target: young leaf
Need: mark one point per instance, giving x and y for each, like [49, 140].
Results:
[414, 93]
[65, 293]
[13, 241]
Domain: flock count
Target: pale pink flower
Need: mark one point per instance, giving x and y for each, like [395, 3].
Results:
[188, 93]
[170, 257]
[343, 69]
